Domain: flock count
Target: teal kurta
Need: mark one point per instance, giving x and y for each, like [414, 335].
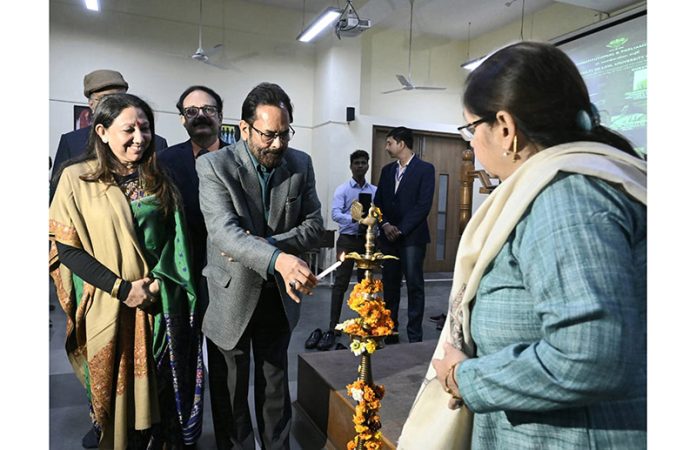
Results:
[559, 322]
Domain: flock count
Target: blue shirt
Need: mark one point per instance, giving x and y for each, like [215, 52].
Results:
[344, 196]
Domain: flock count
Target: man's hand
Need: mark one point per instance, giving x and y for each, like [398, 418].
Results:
[391, 232]
[297, 275]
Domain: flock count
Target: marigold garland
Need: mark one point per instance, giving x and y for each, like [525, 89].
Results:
[366, 418]
[374, 321]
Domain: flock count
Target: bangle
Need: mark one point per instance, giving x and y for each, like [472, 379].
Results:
[454, 378]
[116, 286]
[449, 389]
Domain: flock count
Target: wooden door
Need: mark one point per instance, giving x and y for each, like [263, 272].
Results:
[444, 151]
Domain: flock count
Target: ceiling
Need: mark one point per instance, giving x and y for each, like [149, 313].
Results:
[446, 18]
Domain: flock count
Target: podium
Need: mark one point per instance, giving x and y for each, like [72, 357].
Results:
[321, 389]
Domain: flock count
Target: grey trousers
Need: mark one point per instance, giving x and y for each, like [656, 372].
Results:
[267, 338]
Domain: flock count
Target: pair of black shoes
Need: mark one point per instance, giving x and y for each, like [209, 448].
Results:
[321, 341]
[439, 321]
[392, 339]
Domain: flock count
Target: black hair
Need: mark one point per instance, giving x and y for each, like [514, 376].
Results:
[265, 94]
[154, 181]
[542, 89]
[402, 134]
[359, 154]
[207, 90]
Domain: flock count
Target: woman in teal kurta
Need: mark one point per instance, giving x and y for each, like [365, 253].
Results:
[546, 336]
[121, 267]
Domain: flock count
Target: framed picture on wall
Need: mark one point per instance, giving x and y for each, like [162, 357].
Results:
[229, 133]
[82, 116]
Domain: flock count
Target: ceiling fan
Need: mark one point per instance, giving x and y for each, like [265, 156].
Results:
[202, 54]
[406, 83]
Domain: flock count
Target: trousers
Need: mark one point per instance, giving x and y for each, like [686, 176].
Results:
[345, 243]
[267, 336]
[410, 266]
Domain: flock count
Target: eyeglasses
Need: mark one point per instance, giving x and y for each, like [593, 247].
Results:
[467, 131]
[267, 138]
[193, 111]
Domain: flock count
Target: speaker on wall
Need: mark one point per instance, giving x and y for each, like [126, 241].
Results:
[350, 114]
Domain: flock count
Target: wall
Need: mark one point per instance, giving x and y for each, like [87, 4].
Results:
[154, 56]
[323, 79]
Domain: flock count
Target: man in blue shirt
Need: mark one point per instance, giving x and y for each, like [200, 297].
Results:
[351, 239]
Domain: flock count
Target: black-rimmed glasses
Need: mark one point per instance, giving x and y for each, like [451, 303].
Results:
[467, 131]
[267, 138]
[193, 111]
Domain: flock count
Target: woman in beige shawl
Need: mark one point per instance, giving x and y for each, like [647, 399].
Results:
[545, 340]
[120, 264]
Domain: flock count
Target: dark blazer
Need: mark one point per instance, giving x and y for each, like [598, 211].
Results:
[179, 163]
[74, 144]
[230, 198]
[408, 208]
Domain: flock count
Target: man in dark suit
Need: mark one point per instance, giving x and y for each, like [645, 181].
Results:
[200, 111]
[261, 210]
[405, 196]
[96, 85]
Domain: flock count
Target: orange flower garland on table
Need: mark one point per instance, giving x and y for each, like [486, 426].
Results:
[374, 321]
[367, 421]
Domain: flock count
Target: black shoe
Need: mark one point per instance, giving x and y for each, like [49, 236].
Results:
[90, 440]
[327, 341]
[340, 346]
[438, 318]
[313, 339]
[391, 339]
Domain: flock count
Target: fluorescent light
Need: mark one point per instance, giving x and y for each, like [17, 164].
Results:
[474, 63]
[92, 5]
[315, 27]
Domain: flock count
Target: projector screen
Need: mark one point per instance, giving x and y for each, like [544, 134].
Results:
[613, 61]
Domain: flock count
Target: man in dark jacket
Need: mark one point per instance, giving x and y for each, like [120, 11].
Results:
[97, 84]
[405, 196]
[200, 110]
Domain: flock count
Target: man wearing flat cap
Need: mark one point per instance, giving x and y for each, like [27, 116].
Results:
[97, 84]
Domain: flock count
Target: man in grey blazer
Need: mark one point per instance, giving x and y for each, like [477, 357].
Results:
[261, 210]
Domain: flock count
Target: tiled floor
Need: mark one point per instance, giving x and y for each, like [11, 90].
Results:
[69, 419]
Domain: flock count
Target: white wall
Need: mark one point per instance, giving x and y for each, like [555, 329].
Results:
[259, 43]
[154, 57]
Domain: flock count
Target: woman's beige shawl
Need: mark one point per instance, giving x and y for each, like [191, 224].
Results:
[485, 235]
[101, 331]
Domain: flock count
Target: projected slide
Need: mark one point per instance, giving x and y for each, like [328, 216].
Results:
[614, 64]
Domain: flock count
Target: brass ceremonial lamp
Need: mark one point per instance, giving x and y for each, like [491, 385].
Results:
[366, 333]
[370, 259]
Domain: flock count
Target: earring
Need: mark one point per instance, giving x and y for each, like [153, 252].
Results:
[515, 155]
[514, 149]
[105, 140]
